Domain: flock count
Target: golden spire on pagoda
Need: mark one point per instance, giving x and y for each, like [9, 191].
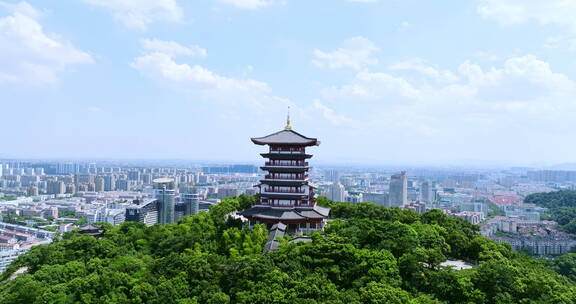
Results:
[288, 126]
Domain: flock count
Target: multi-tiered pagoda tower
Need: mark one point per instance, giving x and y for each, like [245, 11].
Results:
[286, 195]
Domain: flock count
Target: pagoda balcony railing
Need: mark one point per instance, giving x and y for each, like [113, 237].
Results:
[286, 164]
[299, 177]
[288, 152]
[291, 205]
[289, 149]
[270, 190]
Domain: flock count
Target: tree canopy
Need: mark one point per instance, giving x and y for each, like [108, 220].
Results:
[561, 207]
[366, 254]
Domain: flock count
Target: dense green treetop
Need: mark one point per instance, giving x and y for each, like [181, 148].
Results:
[561, 207]
[367, 254]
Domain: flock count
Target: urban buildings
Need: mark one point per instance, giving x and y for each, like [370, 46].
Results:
[399, 189]
[165, 195]
[426, 193]
[191, 202]
[56, 187]
[143, 211]
[337, 192]
[332, 175]
[380, 199]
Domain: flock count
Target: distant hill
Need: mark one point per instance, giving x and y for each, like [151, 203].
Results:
[563, 166]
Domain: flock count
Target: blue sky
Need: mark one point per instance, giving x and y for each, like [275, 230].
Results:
[377, 81]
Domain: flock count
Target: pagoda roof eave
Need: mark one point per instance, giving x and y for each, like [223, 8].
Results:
[286, 137]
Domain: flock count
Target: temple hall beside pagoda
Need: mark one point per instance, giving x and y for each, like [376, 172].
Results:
[286, 195]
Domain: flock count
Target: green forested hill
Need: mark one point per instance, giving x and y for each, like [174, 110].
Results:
[561, 207]
[370, 254]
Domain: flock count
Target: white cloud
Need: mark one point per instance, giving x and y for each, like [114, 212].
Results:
[247, 4]
[374, 86]
[139, 14]
[503, 105]
[559, 12]
[28, 54]
[356, 53]
[204, 83]
[329, 114]
[172, 48]
[561, 42]
[95, 109]
[364, 1]
[420, 66]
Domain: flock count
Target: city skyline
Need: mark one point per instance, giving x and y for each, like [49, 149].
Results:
[381, 82]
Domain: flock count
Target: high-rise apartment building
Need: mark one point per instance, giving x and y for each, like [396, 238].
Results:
[56, 187]
[109, 182]
[399, 189]
[98, 184]
[426, 194]
[33, 191]
[336, 192]
[123, 185]
[332, 175]
[134, 175]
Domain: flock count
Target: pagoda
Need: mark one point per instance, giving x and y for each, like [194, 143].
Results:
[286, 195]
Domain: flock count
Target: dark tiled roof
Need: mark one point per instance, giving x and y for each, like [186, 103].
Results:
[286, 137]
[280, 214]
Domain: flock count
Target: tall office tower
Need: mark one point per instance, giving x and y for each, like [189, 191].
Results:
[286, 195]
[165, 194]
[399, 189]
[98, 184]
[191, 200]
[56, 187]
[336, 192]
[39, 171]
[109, 182]
[332, 175]
[426, 192]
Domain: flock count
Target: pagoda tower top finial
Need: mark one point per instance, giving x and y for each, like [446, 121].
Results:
[288, 126]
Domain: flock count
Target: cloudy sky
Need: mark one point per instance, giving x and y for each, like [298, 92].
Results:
[377, 81]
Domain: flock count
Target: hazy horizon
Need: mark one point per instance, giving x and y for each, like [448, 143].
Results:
[484, 82]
